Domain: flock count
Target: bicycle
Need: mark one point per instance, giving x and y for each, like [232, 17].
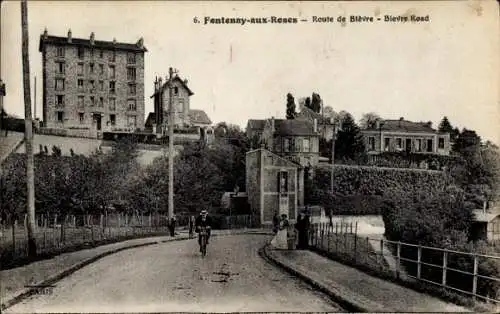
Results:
[203, 241]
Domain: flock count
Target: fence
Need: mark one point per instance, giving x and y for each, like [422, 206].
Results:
[456, 271]
[55, 233]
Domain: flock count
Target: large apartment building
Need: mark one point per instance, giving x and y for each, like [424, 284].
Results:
[91, 84]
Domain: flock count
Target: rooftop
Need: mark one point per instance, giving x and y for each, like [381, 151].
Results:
[311, 115]
[165, 85]
[294, 127]
[110, 45]
[402, 126]
[255, 124]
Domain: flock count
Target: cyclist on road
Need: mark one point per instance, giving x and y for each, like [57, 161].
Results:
[203, 220]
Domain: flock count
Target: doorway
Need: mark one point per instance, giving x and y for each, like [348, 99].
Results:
[98, 121]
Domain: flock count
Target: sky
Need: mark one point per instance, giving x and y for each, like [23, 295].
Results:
[423, 71]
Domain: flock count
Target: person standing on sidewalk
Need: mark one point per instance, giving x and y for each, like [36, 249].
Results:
[172, 226]
[191, 226]
[280, 240]
[276, 222]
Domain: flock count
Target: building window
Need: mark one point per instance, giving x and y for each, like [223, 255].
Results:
[59, 84]
[60, 116]
[283, 182]
[101, 86]
[81, 102]
[112, 104]
[418, 145]
[59, 67]
[399, 143]
[60, 52]
[131, 58]
[112, 71]
[81, 53]
[429, 146]
[81, 116]
[371, 143]
[80, 69]
[101, 102]
[91, 86]
[131, 89]
[101, 69]
[59, 100]
[112, 56]
[112, 119]
[441, 143]
[176, 90]
[286, 145]
[132, 105]
[80, 85]
[112, 87]
[131, 74]
[387, 143]
[92, 100]
[180, 105]
[306, 145]
[91, 68]
[132, 121]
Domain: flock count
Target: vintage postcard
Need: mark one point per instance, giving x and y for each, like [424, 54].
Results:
[249, 156]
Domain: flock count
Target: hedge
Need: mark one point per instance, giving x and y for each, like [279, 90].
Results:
[359, 190]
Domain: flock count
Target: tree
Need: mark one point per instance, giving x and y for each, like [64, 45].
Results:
[349, 144]
[369, 120]
[328, 112]
[446, 127]
[307, 102]
[467, 142]
[290, 106]
[316, 103]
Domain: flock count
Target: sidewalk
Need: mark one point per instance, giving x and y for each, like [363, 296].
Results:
[46, 272]
[356, 289]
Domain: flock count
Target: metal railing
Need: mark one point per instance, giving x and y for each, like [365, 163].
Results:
[448, 269]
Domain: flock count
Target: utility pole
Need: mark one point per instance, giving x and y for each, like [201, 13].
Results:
[34, 100]
[170, 146]
[28, 134]
[334, 138]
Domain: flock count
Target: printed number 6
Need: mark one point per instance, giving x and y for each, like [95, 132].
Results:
[195, 20]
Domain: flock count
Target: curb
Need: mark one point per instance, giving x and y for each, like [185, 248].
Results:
[68, 271]
[338, 294]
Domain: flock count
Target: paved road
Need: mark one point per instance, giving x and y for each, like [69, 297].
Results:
[174, 277]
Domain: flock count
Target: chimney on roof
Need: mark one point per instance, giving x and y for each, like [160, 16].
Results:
[45, 33]
[401, 119]
[160, 83]
[185, 81]
[92, 38]
[70, 38]
[140, 43]
[315, 126]
[114, 41]
[377, 124]
[272, 124]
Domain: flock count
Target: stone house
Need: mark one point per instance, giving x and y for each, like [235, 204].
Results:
[90, 85]
[296, 140]
[405, 136]
[274, 185]
[326, 126]
[186, 120]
